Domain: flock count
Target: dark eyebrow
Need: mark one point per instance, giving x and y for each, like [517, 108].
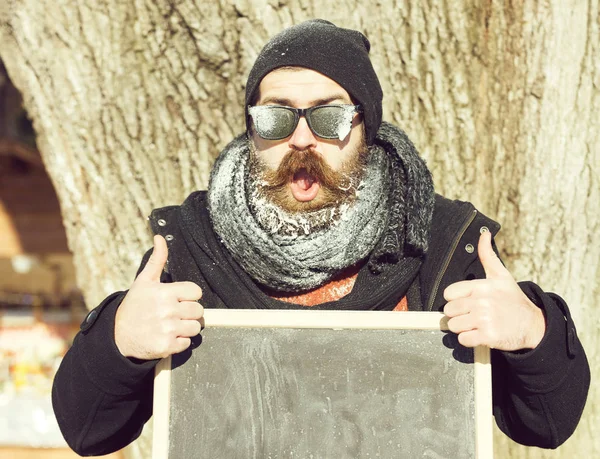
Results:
[289, 103]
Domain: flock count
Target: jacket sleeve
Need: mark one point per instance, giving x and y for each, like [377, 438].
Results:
[539, 395]
[101, 399]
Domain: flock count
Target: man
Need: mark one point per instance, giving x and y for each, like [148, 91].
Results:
[320, 204]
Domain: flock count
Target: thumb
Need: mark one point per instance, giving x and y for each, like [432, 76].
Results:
[491, 263]
[157, 261]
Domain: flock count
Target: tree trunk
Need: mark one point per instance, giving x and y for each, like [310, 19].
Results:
[131, 102]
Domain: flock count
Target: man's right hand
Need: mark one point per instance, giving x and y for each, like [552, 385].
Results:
[156, 320]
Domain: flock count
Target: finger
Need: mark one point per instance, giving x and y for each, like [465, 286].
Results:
[461, 324]
[462, 289]
[157, 261]
[185, 291]
[188, 328]
[491, 263]
[180, 345]
[471, 338]
[467, 288]
[190, 310]
[457, 307]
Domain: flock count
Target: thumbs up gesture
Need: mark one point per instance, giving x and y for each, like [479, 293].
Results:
[156, 320]
[494, 311]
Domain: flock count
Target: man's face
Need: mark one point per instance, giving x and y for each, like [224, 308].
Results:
[303, 171]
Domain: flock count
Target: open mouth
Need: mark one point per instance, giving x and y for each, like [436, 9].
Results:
[304, 186]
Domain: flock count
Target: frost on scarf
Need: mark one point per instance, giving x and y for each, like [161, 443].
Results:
[294, 263]
[275, 220]
[391, 211]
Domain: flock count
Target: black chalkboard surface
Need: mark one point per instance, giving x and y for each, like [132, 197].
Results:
[311, 384]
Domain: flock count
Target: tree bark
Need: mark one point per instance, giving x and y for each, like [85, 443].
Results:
[132, 101]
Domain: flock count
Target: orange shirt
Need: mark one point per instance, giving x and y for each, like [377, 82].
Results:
[335, 289]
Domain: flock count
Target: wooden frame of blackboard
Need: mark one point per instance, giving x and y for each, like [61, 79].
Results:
[336, 320]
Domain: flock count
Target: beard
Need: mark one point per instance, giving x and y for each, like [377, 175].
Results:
[336, 186]
[279, 212]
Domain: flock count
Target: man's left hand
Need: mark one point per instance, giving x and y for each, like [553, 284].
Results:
[494, 311]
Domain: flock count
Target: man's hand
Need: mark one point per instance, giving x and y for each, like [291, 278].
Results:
[494, 311]
[156, 320]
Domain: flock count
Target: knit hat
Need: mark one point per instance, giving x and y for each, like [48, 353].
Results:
[341, 54]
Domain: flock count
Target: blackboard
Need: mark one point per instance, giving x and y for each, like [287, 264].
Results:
[313, 384]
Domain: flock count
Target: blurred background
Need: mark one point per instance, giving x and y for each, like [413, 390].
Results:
[40, 305]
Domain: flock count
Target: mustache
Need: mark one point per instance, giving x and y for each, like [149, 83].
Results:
[314, 165]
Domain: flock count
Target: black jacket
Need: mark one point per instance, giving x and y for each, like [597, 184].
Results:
[102, 399]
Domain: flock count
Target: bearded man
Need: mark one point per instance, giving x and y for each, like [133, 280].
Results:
[320, 204]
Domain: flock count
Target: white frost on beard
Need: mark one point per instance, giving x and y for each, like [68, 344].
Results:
[293, 225]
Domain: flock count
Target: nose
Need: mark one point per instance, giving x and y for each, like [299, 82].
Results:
[302, 138]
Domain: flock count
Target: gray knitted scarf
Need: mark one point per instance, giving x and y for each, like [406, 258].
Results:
[389, 217]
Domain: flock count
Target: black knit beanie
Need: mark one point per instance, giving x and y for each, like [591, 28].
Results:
[340, 54]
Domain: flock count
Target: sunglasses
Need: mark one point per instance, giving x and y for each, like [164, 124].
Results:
[276, 122]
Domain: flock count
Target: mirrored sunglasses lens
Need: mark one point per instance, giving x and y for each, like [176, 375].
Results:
[272, 123]
[332, 122]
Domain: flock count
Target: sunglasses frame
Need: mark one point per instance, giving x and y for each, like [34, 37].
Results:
[302, 112]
